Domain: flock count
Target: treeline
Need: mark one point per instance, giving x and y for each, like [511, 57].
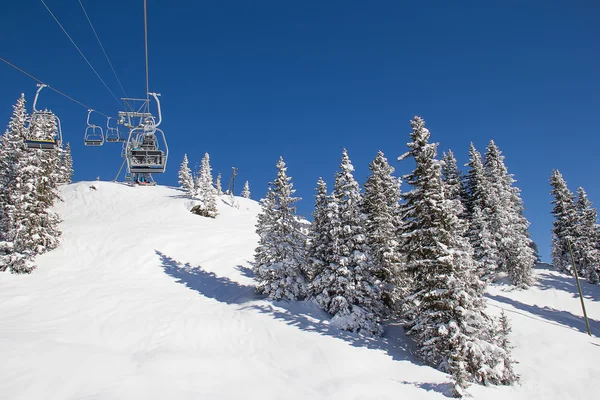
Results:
[29, 180]
[423, 255]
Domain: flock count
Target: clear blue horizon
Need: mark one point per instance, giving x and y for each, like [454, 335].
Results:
[248, 82]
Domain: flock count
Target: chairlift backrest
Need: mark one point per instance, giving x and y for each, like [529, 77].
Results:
[94, 136]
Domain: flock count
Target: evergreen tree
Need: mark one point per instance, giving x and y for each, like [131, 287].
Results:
[485, 252]
[218, 185]
[382, 210]
[479, 211]
[29, 188]
[588, 243]
[507, 220]
[66, 165]
[565, 222]
[319, 241]
[536, 251]
[448, 320]
[49, 161]
[206, 191]
[346, 287]
[280, 253]
[246, 190]
[186, 182]
[504, 342]
[476, 184]
[452, 178]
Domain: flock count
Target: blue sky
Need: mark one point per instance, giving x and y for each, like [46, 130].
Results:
[250, 81]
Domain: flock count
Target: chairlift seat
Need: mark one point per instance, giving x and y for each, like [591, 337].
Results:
[94, 136]
[41, 144]
[93, 142]
[147, 161]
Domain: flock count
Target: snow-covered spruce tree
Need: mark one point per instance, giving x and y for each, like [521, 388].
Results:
[453, 179]
[346, 287]
[485, 253]
[280, 254]
[504, 330]
[30, 187]
[382, 209]
[206, 191]
[565, 223]
[507, 221]
[218, 185]
[478, 212]
[49, 161]
[588, 242]
[477, 188]
[246, 190]
[12, 152]
[448, 320]
[186, 182]
[66, 166]
[319, 238]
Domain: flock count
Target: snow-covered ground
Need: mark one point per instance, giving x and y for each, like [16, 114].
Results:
[144, 300]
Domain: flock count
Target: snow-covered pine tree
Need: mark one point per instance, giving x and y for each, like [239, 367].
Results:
[12, 152]
[448, 320]
[218, 185]
[30, 187]
[246, 190]
[536, 251]
[453, 178]
[346, 287]
[49, 161]
[67, 165]
[565, 222]
[206, 191]
[588, 242]
[507, 220]
[478, 212]
[382, 209]
[318, 252]
[477, 189]
[503, 341]
[186, 182]
[280, 256]
[483, 243]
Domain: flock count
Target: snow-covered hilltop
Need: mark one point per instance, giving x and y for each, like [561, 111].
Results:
[144, 299]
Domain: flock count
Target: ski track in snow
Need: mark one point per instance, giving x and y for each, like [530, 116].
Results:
[145, 300]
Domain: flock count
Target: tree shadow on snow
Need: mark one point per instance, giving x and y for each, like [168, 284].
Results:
[445, 388]
[304, 315]
[568, 284]
[551, 315]
[247, 272]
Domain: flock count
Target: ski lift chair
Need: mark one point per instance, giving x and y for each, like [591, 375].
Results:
[94, 136]
[39, 143]
[112, 134]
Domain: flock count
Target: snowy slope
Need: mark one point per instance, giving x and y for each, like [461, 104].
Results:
[145, 300]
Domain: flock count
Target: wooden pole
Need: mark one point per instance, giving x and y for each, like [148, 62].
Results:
[587, 322]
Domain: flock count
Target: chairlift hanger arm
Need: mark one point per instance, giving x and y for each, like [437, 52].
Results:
[156, 95]
[37, 94]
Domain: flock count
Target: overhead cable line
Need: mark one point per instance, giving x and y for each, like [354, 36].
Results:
[146, 45]
[80, 52]
[50, 87]
[102, 47]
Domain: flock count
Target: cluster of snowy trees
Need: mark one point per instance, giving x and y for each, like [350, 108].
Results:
[199, 185]
[423, 255]
[29, 180]
[575, 228]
